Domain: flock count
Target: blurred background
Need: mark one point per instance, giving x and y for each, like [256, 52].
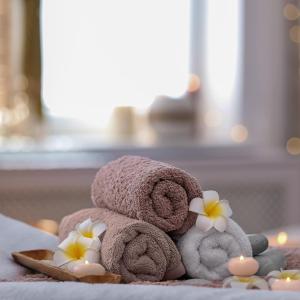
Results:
[210, 86]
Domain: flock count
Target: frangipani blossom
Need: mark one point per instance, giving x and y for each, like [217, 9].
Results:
[252, 282]
[283, 274]
[77, 249]
[91, 230]
[212, 211]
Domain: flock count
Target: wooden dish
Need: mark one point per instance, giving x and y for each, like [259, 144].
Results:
[33, 259]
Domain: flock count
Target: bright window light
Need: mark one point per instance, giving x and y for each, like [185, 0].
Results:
[223, 57]
[99, 54]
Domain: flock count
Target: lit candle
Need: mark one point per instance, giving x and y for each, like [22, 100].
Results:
[88, 269]
[287, 284]
[243, 266]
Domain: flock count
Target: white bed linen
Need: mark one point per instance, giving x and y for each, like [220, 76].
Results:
[15, 235]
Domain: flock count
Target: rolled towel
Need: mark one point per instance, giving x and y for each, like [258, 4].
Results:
[270, 260]
[147, 190]
[259, 243]
[135, 249]
[205, 254]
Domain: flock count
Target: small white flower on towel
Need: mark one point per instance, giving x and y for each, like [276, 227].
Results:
[252, 282]
[283, 274]
[77, 249]
[91, 230]
[212, 211]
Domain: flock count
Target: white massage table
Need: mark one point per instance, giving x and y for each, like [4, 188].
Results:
[15, 235]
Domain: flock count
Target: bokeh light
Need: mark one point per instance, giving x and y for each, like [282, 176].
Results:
[293, 146]
[295, 34]
[291, 12]
[47, 225]
[239, 133]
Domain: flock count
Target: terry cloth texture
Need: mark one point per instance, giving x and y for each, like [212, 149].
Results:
[135, 249]
[205, 254]
[147, 190]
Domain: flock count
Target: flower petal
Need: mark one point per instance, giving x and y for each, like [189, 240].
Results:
[89, 243]
[92, 256]
[260, 283]
[98, 229]
[239, 285]
[59, 258]
[72, 238]
[220, 223]
[227, 212]
[211, 195]
[197, 206]
[274, 274]
[204, 223]
[85, 226]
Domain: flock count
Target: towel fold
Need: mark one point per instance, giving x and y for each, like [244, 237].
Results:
[147, 190]
[135, 249]
[205, 254]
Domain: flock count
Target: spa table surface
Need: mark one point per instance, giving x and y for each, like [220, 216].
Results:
[18, 236]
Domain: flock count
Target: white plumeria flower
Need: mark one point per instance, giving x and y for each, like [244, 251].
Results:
[252, 282]
[77, 249]
[212, 211]
[283, 274]
[91, 230]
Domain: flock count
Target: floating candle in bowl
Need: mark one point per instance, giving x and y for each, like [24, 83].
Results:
[284, 280]
[287, 284]
[243, 266]
[88, 269]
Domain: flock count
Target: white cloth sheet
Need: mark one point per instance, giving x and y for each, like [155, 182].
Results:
[18, 236]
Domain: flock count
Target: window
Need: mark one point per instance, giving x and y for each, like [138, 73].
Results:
[101, 54]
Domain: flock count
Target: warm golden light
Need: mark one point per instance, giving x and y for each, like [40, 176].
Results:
[291, 12]
[295, 34]
[242, 258]
[86, 262]
[213, 118]
[239, 133]
[288, 279]
[293, 146]
[194, 83]
[282, 238]
[47, 225]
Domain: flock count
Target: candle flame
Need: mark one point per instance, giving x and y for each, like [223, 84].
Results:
[288, 279]
[86, 262]
[282, 238]
[242, 257]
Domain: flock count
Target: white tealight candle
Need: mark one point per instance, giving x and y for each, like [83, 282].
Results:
[243, 266]
[287, 284]
[88, 269]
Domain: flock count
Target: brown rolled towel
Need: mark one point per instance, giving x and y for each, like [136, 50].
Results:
[147, 190]
[135, 249]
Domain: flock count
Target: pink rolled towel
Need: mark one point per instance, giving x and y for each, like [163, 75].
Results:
[135, 249]
[147, 190]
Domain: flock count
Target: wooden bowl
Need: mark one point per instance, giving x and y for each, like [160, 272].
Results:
[33, 259]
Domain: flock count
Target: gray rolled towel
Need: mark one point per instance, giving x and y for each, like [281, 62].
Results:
[270, 260]
[259, 243]
[205, 254]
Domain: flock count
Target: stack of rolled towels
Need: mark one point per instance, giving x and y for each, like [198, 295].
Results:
[151, 234]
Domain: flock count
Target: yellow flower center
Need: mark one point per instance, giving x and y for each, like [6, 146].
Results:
[290, 275]
[213, 209]
[87, 234]
[76, 251]
[246, 279]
